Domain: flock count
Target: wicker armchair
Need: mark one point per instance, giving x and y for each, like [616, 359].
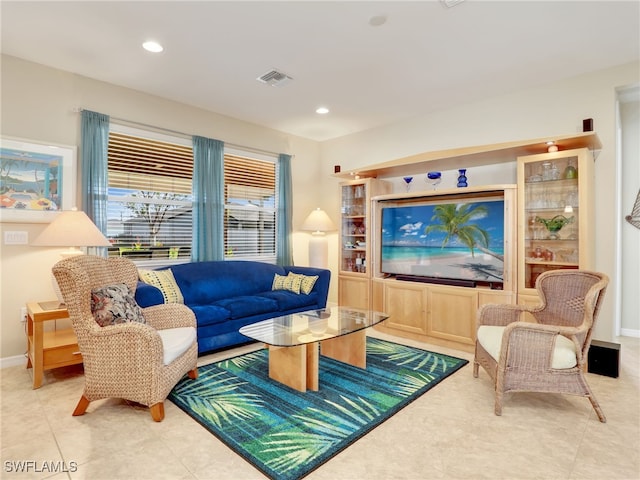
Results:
[549, 354]
[126, 360]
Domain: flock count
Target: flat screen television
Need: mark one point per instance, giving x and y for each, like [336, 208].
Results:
[459, 242]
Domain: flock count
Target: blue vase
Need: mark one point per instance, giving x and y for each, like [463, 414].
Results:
[462, 178]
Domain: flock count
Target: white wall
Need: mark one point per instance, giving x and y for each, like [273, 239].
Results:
[551, 110]
[630, 236]
[38, 103]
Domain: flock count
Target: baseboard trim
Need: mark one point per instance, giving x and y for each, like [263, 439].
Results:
[12, 361]
[627, 332]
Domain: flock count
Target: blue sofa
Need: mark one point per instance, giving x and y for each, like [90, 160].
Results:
[227, 295]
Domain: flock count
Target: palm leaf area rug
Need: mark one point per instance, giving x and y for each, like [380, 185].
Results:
[285, 433]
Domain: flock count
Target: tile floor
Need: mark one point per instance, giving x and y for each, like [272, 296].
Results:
[448, 433]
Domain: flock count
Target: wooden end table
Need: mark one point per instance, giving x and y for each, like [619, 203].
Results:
[49, 349]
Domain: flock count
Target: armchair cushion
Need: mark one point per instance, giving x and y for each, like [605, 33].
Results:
[165, 282]
[176, 341]
[114, 304]
[564, 353]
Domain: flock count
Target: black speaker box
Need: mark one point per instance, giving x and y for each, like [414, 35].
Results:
[587, 125]
[604, 358]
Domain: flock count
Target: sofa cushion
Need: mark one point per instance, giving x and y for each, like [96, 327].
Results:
[289, 300]
[163, 280]
[564, 353]
[114, 304]
[246, 306]
[176, 341]
[210, 314]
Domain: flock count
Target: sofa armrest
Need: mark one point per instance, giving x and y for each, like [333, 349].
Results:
[321, 286]
[148, 295]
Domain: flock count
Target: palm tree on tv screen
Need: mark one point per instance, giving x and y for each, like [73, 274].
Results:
[453, 220]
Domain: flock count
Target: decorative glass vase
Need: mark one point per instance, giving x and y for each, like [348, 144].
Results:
[462, 178]
[407, 181]
[434, 178]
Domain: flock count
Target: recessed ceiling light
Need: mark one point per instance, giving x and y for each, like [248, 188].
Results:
[377, 20]
[322, 110]
[153, 47]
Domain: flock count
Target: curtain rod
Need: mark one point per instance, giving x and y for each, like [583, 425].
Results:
[175, 132]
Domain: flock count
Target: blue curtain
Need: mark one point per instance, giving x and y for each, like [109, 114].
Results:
[94, 145]
[284, 253]
[208, 199]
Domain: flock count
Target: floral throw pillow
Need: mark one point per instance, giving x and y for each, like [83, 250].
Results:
[115, 304]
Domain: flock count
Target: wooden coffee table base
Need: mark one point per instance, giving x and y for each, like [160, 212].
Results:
[297, 367]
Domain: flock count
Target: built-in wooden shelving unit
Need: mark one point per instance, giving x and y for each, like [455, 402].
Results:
[468, 157]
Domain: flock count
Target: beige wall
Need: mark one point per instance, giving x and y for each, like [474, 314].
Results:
[38, 103]
[551, 110]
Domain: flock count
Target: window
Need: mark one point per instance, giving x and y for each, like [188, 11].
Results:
[150, 199]
[250, 208]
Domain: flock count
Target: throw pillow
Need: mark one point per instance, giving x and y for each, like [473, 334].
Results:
[278, 282]
[115, 304]
[308, 281]
[165, 281]
[290, 282]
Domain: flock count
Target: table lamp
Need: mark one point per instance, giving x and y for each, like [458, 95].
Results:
[318, 223]
[72, 229]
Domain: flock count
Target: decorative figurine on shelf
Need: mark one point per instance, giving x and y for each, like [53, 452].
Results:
[407, 181]
[462, 178]
[555, 224]
[434, 178]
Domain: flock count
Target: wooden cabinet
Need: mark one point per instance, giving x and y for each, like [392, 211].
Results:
[452, 313]
[549, 186]
[354, 276]
[406, 305]
[555, 216]
[354, 292]
[439, 314]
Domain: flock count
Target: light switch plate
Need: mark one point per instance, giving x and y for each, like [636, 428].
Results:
[16, 238]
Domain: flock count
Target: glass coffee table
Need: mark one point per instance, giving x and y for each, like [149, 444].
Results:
[293, 342]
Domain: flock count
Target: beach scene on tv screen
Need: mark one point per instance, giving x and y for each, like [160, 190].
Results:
[451, 240]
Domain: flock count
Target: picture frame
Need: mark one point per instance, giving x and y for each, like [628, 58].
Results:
[37, 180]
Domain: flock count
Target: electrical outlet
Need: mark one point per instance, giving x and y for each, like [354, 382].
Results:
[23, 314]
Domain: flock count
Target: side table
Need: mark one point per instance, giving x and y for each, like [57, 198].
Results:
[49, 349]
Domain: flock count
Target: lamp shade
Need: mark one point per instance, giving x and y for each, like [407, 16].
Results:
[72, 228]
[318, 221]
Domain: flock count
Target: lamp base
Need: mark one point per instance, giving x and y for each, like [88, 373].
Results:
[318, 250]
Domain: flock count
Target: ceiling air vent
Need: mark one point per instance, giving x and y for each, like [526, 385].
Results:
[274, 78]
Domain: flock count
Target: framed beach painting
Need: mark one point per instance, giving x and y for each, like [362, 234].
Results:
[36, 180]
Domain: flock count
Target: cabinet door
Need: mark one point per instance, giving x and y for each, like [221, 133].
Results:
[452, 313]
[353, 292]
[555, 224]
[406, 306]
